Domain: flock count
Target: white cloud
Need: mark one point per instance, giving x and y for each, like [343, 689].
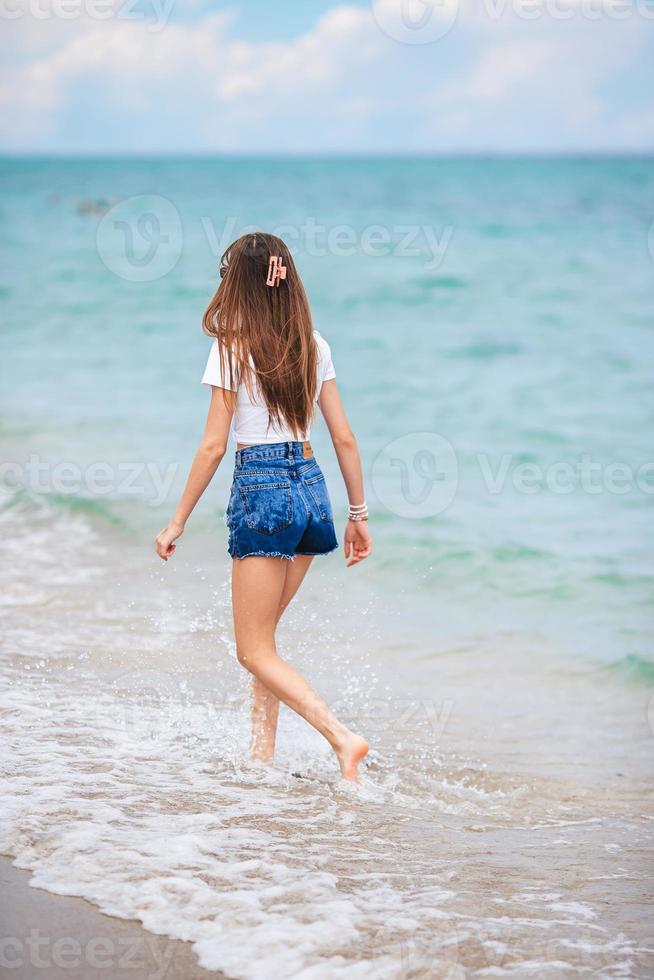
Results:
[140, 68]
[340, 82]
[504, 66]
[539, 84]
[317, 58]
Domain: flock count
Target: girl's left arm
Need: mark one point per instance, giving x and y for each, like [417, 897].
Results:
[206, 462]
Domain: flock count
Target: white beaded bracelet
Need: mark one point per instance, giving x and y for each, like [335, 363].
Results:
[358, 512]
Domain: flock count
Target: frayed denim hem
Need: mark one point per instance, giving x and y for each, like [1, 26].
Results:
[279, 554]
[265, 554]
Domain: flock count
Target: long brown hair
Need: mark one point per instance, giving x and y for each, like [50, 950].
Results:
[265, 332]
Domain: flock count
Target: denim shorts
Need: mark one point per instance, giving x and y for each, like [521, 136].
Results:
[279, 505]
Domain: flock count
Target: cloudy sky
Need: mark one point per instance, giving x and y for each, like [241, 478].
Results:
[314, 76]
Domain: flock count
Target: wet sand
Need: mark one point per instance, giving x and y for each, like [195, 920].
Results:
[62, 938]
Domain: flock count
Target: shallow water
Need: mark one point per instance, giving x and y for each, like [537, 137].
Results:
[497, 651]
[498, 829]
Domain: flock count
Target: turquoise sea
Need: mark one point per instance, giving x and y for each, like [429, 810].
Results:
[492, 327]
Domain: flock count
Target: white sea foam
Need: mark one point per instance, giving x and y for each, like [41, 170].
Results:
[126, 782]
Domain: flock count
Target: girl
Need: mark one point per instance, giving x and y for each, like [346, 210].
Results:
[267, 369]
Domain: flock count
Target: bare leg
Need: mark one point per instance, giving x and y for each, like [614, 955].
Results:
[257, 589]
[265, 704]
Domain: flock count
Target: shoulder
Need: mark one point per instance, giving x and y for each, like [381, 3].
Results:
[325, 364]
[324, 349]
[219, 371]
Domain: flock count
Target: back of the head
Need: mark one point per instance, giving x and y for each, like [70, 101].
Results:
[261, 316]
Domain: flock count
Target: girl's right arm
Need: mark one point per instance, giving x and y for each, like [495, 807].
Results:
[206, 462]
[358, 541]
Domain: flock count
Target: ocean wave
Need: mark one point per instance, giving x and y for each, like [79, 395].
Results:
[485, 350]
[442, 282]
[632, 668]
[149, 809]
[126, 779]
[21, 501]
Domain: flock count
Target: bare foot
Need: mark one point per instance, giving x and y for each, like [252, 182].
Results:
[350, 753]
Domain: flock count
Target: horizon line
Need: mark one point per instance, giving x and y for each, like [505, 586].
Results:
[324, 155]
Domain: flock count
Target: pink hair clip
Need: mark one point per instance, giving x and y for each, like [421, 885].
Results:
[276, 271]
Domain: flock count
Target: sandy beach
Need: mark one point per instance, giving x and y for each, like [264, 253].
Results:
[62, 938]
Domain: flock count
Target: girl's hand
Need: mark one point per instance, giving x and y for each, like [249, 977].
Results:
[358, 542]
[164, 541]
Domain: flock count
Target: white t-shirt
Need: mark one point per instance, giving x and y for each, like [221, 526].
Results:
[251, 423]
